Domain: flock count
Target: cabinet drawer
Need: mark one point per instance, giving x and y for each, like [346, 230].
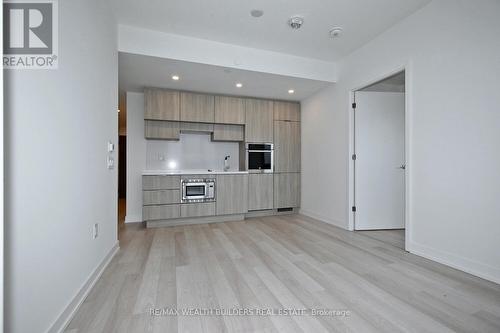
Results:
[198, 209]
[150, 213]
[161, 197]
[161, 182]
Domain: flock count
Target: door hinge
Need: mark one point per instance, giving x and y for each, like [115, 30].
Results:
[354, 208]
[353, 105]
[354, 157]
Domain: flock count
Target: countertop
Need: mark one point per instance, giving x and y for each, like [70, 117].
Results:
[191, 172]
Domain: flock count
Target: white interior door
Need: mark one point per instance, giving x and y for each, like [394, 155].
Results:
[379, 144]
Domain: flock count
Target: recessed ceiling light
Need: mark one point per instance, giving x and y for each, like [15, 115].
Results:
[291, 91]
[335, 32]
[175, 77]
[257, 12]
[239, 85]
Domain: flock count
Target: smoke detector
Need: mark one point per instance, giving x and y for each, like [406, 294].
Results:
[295, 22]
[335, 32]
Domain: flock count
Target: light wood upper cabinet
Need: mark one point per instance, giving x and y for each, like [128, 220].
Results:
[197, 107]
[287, 111]
[259, 121]
[229, 110]
[286, 146]
[232, 194]
[260, 191]
[228, 133]
[286, 190]
[160, 104]
[161, 130]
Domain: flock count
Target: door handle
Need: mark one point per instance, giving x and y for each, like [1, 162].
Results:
[402, 167]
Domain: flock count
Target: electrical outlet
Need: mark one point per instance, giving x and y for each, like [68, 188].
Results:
[95, 231]
[111, 163]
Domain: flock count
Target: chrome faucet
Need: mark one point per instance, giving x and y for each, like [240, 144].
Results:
[226, 163]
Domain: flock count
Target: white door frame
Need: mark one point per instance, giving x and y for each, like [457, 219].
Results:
[408, 145]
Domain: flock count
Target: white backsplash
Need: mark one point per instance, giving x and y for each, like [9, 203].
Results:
[194, 151]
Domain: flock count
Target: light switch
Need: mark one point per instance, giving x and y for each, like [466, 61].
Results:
[111, 147]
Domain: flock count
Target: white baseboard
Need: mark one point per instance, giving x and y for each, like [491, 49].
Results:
[65, 317]
[325, 219]
[463, 264]
[466, 265]
[133, 218]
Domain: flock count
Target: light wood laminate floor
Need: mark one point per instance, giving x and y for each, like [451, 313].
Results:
[281, 262]
[394, 237]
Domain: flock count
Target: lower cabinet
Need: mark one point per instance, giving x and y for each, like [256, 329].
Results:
[164, 212]
[161, 197]
[260, 191]
[198, 209]
[286, 190]
[232, 194]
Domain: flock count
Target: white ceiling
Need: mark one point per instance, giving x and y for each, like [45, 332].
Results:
[139, 71]
[229, 21]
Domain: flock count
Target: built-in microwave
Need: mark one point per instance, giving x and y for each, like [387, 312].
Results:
[260, 157]
[198, 190]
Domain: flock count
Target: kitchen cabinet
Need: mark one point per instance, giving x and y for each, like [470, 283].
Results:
[228, 133]
[229, 110]
[197, 107]
[160, 104]
[197, 127]
[286, 190]
[164, 212]
[286, 146]
[161, 197]
[161, 182]
[198, 209]
[161, 130]
[259, 121]
[286, 111]
[232, 194]
[260, 191]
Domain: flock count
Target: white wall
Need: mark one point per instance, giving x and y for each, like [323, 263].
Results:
[58, 123]
[451, 49]
[324, 175]
[194, 151]
[136, 156]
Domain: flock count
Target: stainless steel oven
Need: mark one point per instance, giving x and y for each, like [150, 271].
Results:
[198, 190]
[260, 157]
